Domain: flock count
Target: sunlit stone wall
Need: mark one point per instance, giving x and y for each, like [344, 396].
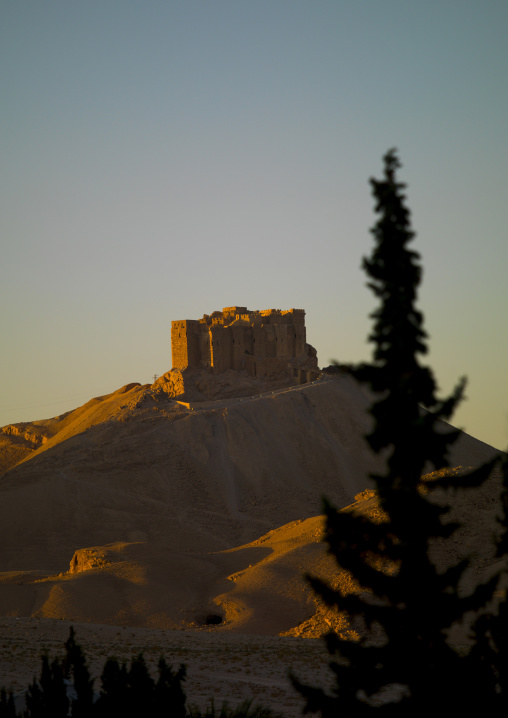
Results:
[236, 338]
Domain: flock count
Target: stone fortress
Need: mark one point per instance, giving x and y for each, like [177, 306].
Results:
[265, 344]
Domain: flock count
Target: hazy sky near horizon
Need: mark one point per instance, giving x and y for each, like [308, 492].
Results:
[164, 159]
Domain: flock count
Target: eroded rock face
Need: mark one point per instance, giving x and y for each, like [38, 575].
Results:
[171, 383]
[18, 430]
[203, 385]
[18, 442]
[87, 558]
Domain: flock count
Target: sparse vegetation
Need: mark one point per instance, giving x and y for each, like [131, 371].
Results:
[401, 661]
[244, 710]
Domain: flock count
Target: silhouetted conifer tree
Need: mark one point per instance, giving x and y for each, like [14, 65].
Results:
[75, 666]
[141, 688]
[49, 696]
[113, 697]
[489, 654]
[133, 692]
[124, 693]
[499, 620]
[7, 708]
[169, 692]
[402, 663]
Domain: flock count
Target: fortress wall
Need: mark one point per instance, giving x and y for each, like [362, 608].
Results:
[270, 348]
[242, 343]
[282, 341]
[185, 343]
[299, 333]
[269, 367]
[204, 346]
[259, 340]
[224, 339]
[234, 312]
[250, 364]
[300, 340]
[180, 342]
[291, 341]
[221, 346]
[214, 345]
[193, 343]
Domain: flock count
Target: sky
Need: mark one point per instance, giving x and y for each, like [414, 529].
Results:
[163, 159]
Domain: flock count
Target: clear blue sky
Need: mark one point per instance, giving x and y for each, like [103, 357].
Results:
[164, 159]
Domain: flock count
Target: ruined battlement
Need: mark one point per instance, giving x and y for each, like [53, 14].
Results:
[230, 315]
[261, 342]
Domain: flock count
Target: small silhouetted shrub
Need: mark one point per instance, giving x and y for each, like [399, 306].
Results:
[244, 710]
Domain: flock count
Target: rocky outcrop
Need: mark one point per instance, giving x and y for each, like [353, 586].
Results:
[87, 558]
[193, 385]
[18, 442]
[19, 431]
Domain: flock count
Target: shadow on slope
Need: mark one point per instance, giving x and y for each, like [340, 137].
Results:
[168, 494]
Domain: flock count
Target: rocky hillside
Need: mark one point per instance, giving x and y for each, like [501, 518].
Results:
[136, 509]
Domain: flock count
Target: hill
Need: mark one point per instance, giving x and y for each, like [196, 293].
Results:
[138, 510]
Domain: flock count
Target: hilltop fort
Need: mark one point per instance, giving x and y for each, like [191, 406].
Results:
[263, 343]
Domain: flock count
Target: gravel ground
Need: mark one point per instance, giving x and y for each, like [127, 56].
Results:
[224, 667]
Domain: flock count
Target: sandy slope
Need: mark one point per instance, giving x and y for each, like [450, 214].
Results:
[138, 511]
[260, 598]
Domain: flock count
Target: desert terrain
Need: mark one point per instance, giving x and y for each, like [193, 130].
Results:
[186, 528]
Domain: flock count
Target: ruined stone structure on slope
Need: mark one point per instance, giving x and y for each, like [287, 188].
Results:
[263, 343]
